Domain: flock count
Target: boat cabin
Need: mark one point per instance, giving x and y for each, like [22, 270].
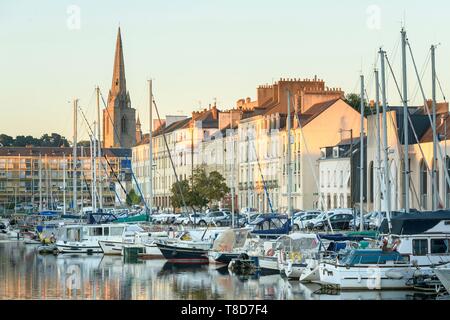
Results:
[372, 257]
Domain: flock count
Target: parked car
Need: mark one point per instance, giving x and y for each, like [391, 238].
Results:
[191, 218]
[164, 218]
[338, 220]
[355, 222]
[239, 220]
[301, 222]
[213, 218]
[248, 211]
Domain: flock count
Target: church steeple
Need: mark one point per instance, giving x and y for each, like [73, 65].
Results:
[119, 118]
[119, 86]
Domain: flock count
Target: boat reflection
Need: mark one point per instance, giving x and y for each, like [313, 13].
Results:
[25, 274]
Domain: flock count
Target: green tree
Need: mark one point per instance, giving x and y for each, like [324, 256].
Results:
[354, 100]
[133, 198]
[216, 187]
[6, 140]
[176, 198]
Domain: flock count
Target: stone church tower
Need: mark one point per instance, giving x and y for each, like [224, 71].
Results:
[119, 119]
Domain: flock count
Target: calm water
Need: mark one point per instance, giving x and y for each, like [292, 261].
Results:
[24, 274]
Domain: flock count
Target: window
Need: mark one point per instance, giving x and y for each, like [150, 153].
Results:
[95, 231]
[123, 125]
[423, 184]
[420, 247]
[116, 231]
[106, 231]
[440, 246]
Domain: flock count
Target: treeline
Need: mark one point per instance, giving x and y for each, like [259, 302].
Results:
[46, 140]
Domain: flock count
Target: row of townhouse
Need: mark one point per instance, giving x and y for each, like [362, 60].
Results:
[420, 157]
[248, 146]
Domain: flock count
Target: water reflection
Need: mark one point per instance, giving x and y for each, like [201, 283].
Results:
[24, 274]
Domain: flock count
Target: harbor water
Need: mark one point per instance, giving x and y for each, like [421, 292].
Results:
[25, 274]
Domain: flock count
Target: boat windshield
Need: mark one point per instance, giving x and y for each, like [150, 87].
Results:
[355, 257]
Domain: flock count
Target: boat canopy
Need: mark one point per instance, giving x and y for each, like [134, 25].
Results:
[414, 223]
[230, 239]
[297, 242]
[341, 237]
[372, 256]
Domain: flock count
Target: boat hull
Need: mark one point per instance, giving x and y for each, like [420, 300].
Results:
[112, 248]
[176, 254]
[79, 249]
[365, 278]
[223, 257]
[269, 264]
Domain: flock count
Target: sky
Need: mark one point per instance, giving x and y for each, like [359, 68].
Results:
[200, 51]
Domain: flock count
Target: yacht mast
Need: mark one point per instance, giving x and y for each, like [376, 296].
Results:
[40, 182]
[405, 122]
[435, 142]
[387, 191]
[288, 155]
[99, 152]
[378, 137]
[361, 158]
[150, 145]
[64, 183]
[94, 171]
[74, 165]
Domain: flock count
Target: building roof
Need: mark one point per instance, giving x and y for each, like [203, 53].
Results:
[60, 151]
[420, 121]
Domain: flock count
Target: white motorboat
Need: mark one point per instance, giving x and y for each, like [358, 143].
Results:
[85, 238]
[134, 236]
[368, 269]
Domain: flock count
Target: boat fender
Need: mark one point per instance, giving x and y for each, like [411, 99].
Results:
[392, 274]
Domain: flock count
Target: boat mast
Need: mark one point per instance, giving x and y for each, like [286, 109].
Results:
[378, 135]
[435, 142]
[150, 144]
[405, 122]
[64, 184]
[387, 191]
[248, 174]
[99, 152]
[361, 158]
[40, 182]
[74, 165]
[94, 171]
[288, 155]
[232, 168]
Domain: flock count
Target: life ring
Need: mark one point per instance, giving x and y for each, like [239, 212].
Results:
[270, 252]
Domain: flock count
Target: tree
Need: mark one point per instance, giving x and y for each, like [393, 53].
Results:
[217, 187]
[354, 100]
[176, 198]
[203, 190]
[133, 198]
[6, 140]
[46, 140]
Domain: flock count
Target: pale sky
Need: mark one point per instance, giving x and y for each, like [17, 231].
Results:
[198, 50]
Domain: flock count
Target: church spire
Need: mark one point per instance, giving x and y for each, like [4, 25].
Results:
[119, 87]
